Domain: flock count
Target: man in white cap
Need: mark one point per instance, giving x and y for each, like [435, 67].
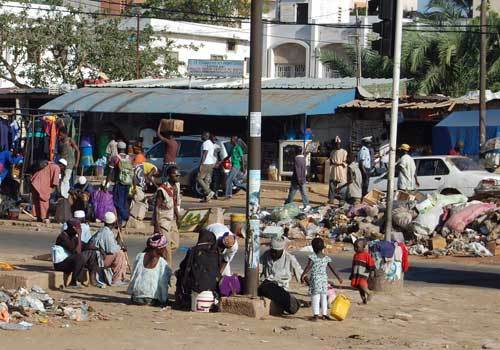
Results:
[407, 177]
[86, 235]
[277, 267]
[122, 173]
[227, 244]
[338, 170]
[112, 254]
[365, 162]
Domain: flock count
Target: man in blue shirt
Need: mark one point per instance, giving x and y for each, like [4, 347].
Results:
[365, 162]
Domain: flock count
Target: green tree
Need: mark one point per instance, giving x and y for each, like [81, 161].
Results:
[65, 47]
[219, 11]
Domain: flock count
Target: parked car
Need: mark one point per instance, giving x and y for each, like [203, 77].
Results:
[188, 160]
[443, 174]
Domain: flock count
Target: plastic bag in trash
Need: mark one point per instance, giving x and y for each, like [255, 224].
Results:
[288, 211]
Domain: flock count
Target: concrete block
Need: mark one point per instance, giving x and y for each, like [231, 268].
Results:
[56, 280]
[245, 306]
[27, 279]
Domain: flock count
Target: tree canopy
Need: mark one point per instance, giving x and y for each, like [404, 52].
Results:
[66, 47]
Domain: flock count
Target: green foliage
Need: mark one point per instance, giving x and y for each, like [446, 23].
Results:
[434, 63]
[66, 47]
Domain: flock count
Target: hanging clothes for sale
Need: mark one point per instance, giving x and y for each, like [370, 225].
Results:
[15, 129]
[5, 133]
[51, 132]
[38, 142]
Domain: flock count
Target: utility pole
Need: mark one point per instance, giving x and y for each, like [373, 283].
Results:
[358, 50]
[482, 74]
[398, 33]
[252, 244]
[137, 51]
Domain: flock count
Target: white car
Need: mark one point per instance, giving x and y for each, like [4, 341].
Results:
[443, 174]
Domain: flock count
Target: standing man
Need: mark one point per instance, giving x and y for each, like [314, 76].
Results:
[458, 150]
[354, 181]
[122, 171]
[171, 148]
[147, 138]
[365, 162]
[298, 182]
[67, 149]
[236, 173]
[207, 164]
[166, 214]
[407, 178]
[338, 170]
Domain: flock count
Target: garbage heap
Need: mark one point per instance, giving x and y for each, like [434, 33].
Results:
[20, 309]
[432, 225]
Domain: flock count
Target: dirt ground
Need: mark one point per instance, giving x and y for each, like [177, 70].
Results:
[441, 317]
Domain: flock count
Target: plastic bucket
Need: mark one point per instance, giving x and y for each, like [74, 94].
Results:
[202, 302]
[238, 224]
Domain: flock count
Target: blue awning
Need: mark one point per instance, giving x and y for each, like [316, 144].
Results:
[220, 102]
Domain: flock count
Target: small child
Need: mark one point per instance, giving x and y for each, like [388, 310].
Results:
[363, 266]
[318, 282]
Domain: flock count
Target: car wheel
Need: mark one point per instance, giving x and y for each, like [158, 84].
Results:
[450, 191]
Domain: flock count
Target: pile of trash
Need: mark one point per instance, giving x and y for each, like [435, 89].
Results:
[20, 309]
[436, 224]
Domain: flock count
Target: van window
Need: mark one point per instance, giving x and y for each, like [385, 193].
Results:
[157, 151]
[189, 148]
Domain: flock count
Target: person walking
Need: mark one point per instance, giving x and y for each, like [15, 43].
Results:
[298, 182]
[207, 164]
[318, 280]
[338, 171]
[236, 174]
[43, 183]
[171, 148]
[67, 149]
[365, 163]
[122, 171]
[407, 177]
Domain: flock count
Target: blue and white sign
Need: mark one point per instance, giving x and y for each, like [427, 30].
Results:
[214, 68]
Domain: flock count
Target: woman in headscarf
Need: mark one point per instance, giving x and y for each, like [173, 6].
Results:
[200, 269]
[151, 274]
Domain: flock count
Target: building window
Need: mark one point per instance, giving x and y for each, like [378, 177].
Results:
[330, 72]
[217, 57]
[231, 45]
[290, 70]
[302, 13]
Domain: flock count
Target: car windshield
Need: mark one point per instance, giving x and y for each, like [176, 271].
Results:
[466, 164]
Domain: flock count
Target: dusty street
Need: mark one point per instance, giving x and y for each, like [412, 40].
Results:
[451, 306]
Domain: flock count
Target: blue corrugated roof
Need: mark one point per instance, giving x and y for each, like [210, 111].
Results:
[199, 102]
[470, 118]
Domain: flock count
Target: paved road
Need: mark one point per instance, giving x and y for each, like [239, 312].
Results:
[29, 242]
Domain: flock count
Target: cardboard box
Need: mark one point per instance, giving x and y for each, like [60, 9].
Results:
[373, 197]
[493, 247]
[172, 125]
[438, 242]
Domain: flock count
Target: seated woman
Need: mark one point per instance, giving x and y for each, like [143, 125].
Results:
[67, 254]
[151, 274]
[200, 269]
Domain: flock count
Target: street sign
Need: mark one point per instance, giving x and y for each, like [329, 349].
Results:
[214, 68]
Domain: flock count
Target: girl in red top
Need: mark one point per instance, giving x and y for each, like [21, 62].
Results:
[363, 266]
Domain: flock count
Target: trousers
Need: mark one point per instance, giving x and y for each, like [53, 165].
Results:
[65, 183]
[120, 200]
[317, 300]
[279, 296]
[204, 177]
[234, 178]
[294, 187]
[333, 190]
[75, 264]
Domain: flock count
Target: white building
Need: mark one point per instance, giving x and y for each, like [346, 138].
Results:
[198, 40]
